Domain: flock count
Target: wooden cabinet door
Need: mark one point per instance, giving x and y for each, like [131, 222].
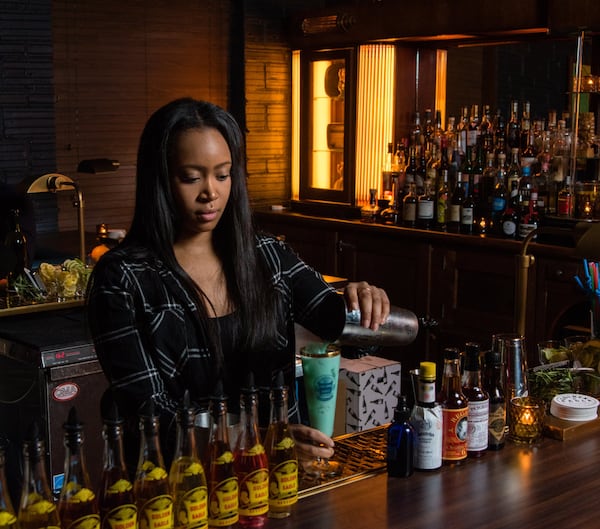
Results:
[473, 294]
[314, 242]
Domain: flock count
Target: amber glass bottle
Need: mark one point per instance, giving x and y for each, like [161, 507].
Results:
[36, 507]
[454, 410]
[117, 504]
[77, 504]
[250, 461]
[151, 484]
[186, 477]
[223, 488]
[493, 382]
[478, 402]
[281, 453]
[8, 518]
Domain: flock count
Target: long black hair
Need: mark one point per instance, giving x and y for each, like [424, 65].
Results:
[156, 219]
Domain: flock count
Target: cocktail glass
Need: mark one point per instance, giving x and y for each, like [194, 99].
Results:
[321, 366]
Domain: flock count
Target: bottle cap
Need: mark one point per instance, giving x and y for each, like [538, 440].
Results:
[109, 409]
[427, 370]
[451, 353]
[402, 411]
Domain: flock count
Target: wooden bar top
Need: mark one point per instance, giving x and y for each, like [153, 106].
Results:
[551, 485]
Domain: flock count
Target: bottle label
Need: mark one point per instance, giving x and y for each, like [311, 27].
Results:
[283, 487]
[121, 517]
[455, 429]
[509, 228]
[409, 211]
[7, 519]
[191, 510]
[254, 493]
[564, 206]
[425, 209]
[454, 213]
[157, 513]
[428, 425]
[91, 521]
[498, 204]
[525, 229]
[223, 503]
[497, 423]
[466, 215]
[478, 417]
[426, 391]
[442, 206]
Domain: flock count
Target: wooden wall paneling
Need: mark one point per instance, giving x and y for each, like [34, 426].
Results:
[115, 63]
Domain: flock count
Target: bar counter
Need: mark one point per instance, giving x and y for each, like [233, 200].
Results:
[553, 484]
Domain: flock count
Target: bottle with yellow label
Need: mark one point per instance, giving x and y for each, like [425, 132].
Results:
[186, 476]
[151, 484]
[222, 482]
[250, 461]
[77, 503]
[281, 453]
[117, 504]
[8, 518]
[36, 507]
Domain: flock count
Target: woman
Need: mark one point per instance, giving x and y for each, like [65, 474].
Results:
[194, 294]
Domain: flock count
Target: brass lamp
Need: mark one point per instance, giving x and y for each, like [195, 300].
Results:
[53, 182]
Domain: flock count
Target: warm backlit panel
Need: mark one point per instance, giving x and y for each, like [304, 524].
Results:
[374, 115]
[296, 125]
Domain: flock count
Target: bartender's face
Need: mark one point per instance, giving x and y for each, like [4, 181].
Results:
[200, 175]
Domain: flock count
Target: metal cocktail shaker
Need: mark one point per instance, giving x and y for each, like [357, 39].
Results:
[513, 353]
[400, 328]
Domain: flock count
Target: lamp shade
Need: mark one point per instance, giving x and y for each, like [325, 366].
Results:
[51, 182]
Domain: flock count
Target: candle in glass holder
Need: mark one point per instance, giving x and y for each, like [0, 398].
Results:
[526, 419]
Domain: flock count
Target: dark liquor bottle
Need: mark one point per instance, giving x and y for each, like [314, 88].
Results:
[473, 130]
[486, 133]
[416, 133]
[250, 461]
[8, 518]
[499, 201]
[77, 504]
[400, 442]
[454, 410]
[513, 174]
[500, 135]
[458, 196]
[493, 383]
[281, 454]
[16, 242]
[442, 201]
[487, 185]
[513, 127]
[117, 504]
[478, 402]
[187, 479]
[525, 126]
[223, 491]
[425, 208]
[529, 219]
[467, 211]
[564, 203]
[510, 219]
[421, 174]
[370, 212]
[37, 509]
[151, 484]
[426, 419]
[409, 207]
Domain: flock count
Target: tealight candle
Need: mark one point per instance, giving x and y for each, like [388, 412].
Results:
[526, 419]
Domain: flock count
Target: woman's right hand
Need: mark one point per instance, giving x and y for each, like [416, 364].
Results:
[310, 443]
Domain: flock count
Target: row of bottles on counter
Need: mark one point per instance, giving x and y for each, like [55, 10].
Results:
[464, 419]
[482, 176]
[232, 485]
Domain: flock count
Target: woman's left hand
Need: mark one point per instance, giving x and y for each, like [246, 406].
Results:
[372, 302]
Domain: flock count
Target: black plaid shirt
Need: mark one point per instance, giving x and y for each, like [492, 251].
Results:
[149, 345]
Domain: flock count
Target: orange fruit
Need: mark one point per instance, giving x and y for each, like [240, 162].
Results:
[98, 251]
